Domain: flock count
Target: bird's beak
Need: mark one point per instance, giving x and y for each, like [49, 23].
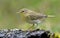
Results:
[18, 12]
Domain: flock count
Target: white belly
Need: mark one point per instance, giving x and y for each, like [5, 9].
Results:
[35, 21]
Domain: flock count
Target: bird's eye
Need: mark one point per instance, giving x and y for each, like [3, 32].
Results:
[22, 11]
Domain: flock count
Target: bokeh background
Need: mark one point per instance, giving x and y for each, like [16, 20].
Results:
[9, 19]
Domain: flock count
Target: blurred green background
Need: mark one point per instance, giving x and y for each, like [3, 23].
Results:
[9, 19]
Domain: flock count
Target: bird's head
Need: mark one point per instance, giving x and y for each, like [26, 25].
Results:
[23, 11]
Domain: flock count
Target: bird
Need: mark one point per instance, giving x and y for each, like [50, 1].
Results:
[33, 17]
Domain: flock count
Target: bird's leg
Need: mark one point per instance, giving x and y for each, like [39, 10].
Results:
[36, 26]
[32, 27]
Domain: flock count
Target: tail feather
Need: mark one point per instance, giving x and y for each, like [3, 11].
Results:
[51, 16]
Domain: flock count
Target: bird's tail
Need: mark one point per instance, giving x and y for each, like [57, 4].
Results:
[51, 16]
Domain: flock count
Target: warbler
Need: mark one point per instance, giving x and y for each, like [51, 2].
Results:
[33, 17]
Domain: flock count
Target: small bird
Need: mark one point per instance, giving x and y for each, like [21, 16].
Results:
[33, 17]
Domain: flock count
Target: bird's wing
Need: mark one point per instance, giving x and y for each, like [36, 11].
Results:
[34, 17]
